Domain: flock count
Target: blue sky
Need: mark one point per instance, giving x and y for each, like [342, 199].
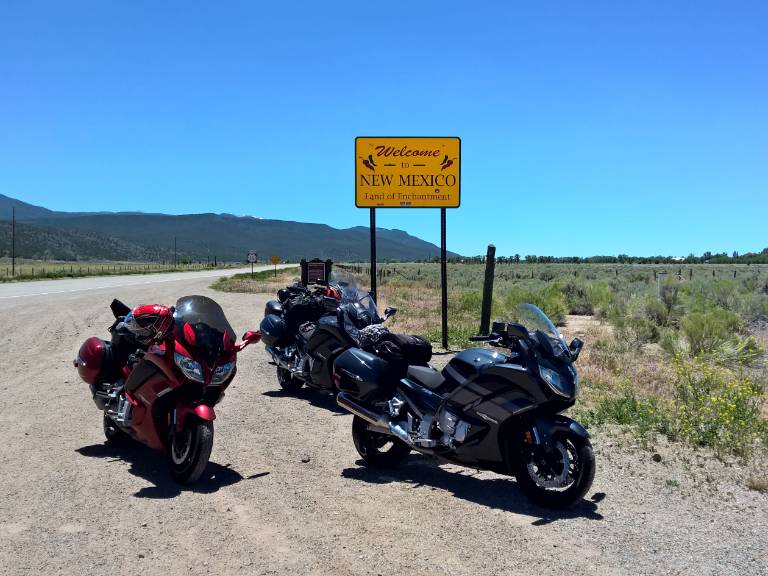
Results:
[587, 128]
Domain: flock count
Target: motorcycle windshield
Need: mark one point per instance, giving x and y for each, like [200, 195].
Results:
[201, 325]
[351, 295]
[535, 320]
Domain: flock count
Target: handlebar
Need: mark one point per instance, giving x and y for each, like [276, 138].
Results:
[482, 338]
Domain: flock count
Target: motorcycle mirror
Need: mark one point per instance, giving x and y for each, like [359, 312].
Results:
[515, 330]
[252, 336]
[389, 311]
[249, 337]
[575, 347]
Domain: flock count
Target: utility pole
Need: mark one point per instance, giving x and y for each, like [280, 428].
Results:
[175, 254]
[13, 242]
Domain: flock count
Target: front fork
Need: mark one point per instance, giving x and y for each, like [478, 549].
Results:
[183, 410]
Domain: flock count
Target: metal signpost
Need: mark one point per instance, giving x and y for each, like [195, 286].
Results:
[252, 257]
[409, 172]
[275, 260]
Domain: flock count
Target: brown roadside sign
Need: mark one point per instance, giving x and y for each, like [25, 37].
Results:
[407, 172]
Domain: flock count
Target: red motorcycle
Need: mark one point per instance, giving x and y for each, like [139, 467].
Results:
[160, 376]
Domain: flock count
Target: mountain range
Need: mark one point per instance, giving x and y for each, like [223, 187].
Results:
[47, 234]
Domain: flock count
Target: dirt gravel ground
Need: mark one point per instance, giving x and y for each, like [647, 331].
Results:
[69, 504]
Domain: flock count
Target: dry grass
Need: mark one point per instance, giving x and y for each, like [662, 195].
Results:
[759, 484]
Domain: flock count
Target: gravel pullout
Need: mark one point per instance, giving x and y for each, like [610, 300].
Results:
[286, 493]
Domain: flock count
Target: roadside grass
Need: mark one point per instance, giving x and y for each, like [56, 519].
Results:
[264, 281]
[759, 484]
[41, 270]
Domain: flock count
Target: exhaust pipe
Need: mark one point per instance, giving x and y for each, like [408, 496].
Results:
[378, 420]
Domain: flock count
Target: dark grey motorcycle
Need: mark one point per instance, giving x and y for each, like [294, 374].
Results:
[486, 409]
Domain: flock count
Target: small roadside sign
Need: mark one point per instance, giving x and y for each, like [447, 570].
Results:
[252, 258]
[275, 260]
[407, 172]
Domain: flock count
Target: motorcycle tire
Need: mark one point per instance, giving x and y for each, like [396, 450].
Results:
[370, 445]
[288, 382]
[112, 433]
[582, 461]
[190, 450]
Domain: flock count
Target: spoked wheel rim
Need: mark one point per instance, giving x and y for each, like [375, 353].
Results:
[557, 470]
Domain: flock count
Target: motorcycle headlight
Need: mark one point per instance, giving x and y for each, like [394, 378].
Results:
[189, 367]
[552, 377]
[222, 373]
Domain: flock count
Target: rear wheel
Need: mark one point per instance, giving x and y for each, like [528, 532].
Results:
[287, 381]
[558, 478]
[190, 450]
[376, 448]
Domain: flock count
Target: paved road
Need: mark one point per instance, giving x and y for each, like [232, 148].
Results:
[70, 285]
[285, 492]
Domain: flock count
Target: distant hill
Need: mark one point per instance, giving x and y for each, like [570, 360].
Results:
[41, 243]
[199, 236]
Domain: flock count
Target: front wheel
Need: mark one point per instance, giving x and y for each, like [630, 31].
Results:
[376, 448]
[189, 451]
[558, 478]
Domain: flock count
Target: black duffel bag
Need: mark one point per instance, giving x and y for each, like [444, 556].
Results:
[303, 308]
[403, 349]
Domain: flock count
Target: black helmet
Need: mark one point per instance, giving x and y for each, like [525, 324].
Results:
[283, 294]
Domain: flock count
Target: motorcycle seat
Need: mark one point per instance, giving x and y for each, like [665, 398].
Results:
[426, 376]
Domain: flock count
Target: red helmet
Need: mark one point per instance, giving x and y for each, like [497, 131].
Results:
[332, 292]
[150, 322]
[94, 360]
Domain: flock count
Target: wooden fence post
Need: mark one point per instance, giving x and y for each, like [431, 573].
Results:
[490, 265]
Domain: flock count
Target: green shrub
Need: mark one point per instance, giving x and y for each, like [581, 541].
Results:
[669, 341]
[717, 407]
[645, 415]
[577, 298]
[549, 299]
[706, 331]
[668, 295]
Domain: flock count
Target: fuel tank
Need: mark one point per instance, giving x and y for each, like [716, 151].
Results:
[469, 363]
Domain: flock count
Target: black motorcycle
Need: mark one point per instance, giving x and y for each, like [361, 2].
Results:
[486, 409]
[307, 332]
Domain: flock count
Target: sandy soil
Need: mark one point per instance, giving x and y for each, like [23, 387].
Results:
[71, 505]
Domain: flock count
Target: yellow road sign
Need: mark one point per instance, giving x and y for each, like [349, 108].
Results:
[275, 259]
[407, 172]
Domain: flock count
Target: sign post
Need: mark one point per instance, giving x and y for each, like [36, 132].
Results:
[373, 253]
[252, 257]
[409, 172]
[275, 260]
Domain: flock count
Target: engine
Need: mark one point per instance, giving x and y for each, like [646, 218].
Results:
[426, 430]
